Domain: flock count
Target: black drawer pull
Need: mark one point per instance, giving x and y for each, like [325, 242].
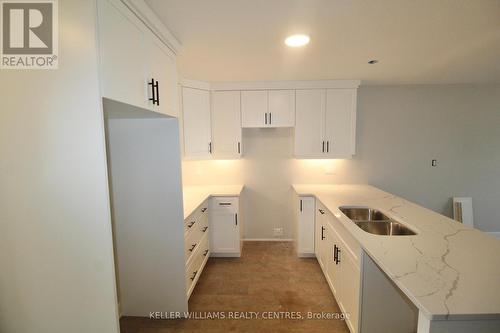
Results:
[191, 224]
[194, 275]
[205, 253]
[321, 211]
[203, 210]
[192, 247]
[204, 229]
[225, 204]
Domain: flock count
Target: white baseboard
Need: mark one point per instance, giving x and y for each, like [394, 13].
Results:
[268, 240]
[495, 234]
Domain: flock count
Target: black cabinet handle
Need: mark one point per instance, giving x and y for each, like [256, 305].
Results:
[152, 84]
[224, 204]
[194, 275]
[157, 87]
[210, 147]
[204, 209]
[191, 224]
[236, 218]
[205, 229]
[239, 148]
[321, 211]
[265, 117]
[335, 253]
[205, 253]
[301, 205]
[192, 247]
[328, 146]
[322, 235]
[270, 118]
[323, 148]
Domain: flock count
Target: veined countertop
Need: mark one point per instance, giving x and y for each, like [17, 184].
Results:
[448, 270]
[195, 195]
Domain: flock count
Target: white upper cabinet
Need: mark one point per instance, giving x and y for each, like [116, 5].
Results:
[163, 70]
[226, 124]
[281, 108]
[325, 123]
[136, 67]
[267, 108]
[309, 125]
[122, 47]
[254, 108]
[340, 122]
[196, 120]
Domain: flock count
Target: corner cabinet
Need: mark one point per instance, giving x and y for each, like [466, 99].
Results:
[196, 121]
[136, 67]
[325, 124]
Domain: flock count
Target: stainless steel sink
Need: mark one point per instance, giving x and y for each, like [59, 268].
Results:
[375, 222]
[385, 228]
[363, 214]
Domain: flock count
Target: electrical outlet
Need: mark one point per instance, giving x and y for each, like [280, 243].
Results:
[278, 232]
[434, 163]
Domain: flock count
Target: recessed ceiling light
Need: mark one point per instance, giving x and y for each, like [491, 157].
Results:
[373, 62]
[297, 40]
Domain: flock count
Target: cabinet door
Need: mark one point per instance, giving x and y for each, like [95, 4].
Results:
[340, 122]
[163, 68]
[320, 234]
[309, 124]
[224, 232]
[305, 237]
[254, 108]
[333, 267]
[282, 108]
[122, 54]
[226, 124]
[350, 282]
[196, 118]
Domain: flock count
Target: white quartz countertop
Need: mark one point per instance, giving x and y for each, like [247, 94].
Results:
[195, 195]
[448, 270]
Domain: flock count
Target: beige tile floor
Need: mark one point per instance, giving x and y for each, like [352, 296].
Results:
[268, 277]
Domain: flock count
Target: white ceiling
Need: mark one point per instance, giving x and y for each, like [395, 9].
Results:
[416, 41]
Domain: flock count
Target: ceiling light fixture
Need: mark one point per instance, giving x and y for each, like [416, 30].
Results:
[297, 40]
[373, 62]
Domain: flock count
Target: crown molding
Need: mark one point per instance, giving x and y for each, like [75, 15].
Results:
[149, 18]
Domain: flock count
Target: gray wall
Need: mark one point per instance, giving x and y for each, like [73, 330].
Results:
[400, 130]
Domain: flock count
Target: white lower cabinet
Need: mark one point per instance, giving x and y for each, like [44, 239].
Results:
[225, 237]
[339, 257]
[305, 227]
[213, 229]
[196, 245]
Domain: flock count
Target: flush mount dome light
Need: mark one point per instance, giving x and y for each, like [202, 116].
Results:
[297, 40]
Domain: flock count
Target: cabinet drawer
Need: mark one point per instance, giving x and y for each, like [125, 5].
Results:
[192, 242]
[197, 218]
[227, 204]
[193, 270]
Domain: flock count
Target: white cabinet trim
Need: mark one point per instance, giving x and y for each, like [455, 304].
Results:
[153, 23]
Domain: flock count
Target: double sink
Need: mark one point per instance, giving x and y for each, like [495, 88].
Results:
[375, 222]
